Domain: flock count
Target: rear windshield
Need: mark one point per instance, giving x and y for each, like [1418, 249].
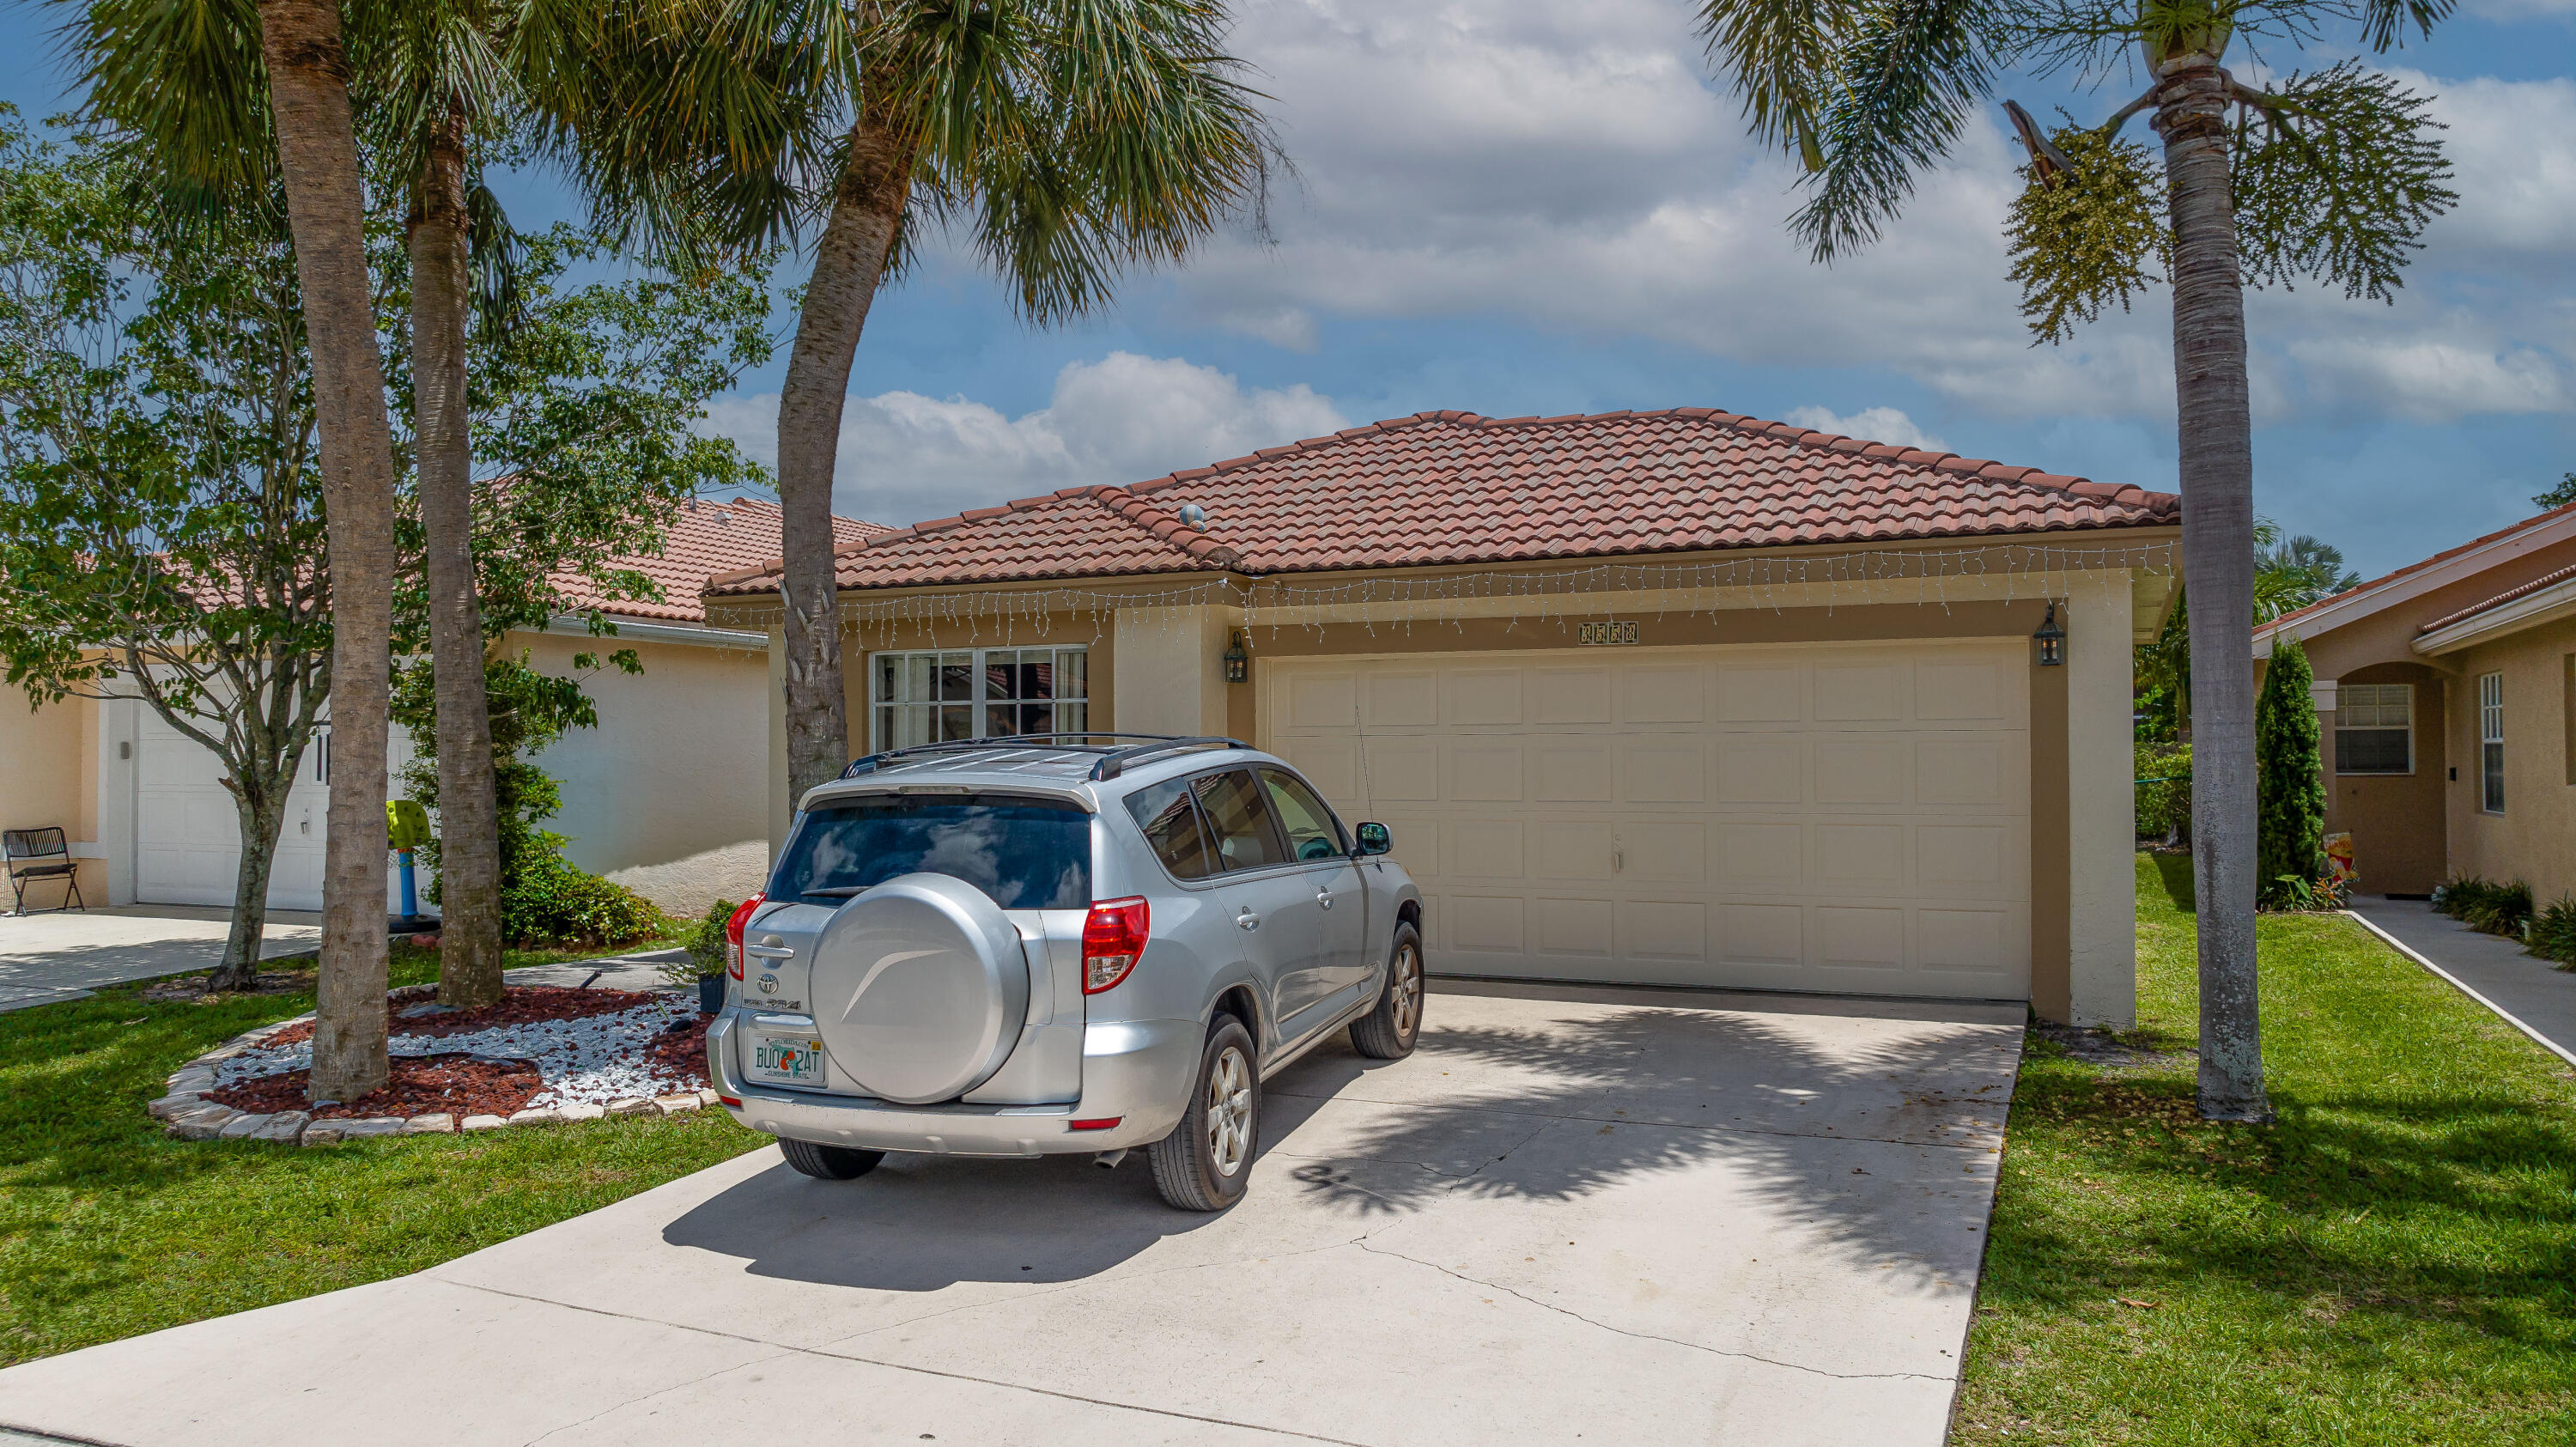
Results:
[1026, 853]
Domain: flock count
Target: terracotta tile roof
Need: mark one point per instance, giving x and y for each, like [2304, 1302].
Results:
[2545, 580]
[2419, 565]
[1454, 487]
[710, 537]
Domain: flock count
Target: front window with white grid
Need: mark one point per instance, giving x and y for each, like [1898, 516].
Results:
[2374, 728]
[942, 695]
[2491, 742]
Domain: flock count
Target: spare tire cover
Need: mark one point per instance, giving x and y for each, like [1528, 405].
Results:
[919, 988]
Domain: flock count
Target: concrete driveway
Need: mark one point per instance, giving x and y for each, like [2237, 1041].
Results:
[65, 955]
[1596, 1216]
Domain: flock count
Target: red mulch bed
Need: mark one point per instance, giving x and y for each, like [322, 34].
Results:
[683, 1051]
[519, 1005]
[417, 1085]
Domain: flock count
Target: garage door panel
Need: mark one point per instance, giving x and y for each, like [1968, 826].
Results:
[1573, 771]
[1409, 699]
[1766, 693]
[1865, 770]
[1849, 693]
[1663, 694]
[1333, 765]
[1820, 817]
[1753, 854]
[1483, 697]
[1569, 695]
[1760, 770]
[1487, 849]
[1322, 700]
[1664, 769]
[1484, 771]
[1659, 852]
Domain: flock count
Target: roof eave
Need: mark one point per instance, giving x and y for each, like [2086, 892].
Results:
[2548, 605]
[2348, 608]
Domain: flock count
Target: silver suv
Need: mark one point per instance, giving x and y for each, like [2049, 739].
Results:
[1071, 943]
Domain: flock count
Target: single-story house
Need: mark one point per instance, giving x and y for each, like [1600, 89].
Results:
[2448, 696]
[664, 795]
[1675, 697]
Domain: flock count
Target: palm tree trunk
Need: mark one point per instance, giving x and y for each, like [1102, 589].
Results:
[469, 845]
[2217, 475]
[261, 805]
[308, 87]
[849, 262]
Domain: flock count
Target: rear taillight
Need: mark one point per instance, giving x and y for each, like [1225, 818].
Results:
[733, 934]
[1112, 937]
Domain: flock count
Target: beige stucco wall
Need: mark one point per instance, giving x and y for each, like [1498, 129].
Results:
[48, 778]
[667, 794]
[2534, 839]
[2396, 820]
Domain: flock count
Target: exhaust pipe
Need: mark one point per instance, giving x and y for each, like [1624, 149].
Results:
[1108, 1160]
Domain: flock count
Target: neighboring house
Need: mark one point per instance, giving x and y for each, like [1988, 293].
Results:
[1678, 697]
[2448, 695]
[665, 795]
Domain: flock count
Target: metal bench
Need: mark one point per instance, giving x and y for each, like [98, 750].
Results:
[41, 854]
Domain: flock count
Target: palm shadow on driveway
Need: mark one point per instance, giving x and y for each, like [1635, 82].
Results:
[1515, 1097]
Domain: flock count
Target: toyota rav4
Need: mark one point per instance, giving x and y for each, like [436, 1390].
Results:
[1036, 946]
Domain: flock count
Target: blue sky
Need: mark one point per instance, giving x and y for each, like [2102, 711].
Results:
[1515, 206]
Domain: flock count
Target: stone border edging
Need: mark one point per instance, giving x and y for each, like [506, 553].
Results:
[189, 1116]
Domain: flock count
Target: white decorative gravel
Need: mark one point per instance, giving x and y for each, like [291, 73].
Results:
[590, 1061]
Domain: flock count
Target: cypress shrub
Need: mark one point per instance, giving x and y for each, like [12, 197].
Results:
[2289, 783]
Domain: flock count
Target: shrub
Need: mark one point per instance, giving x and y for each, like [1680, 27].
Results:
[706, 948]
[2552, 933]
[2164, 806]
[2483, 904]
[547, 899]
[2289, 782]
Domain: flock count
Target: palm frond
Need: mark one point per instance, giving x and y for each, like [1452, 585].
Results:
[1909, 75]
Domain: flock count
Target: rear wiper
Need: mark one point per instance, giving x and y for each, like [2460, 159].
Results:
[840, 891]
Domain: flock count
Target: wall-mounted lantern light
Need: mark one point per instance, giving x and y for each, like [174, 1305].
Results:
[2048, 645]
[1238, 663]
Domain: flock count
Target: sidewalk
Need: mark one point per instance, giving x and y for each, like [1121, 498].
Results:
[2534, 992]
[50, 957]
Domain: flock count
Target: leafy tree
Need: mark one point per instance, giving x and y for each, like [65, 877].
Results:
[545, 898]
[2330, 175]
[232, 107]
[1071, 138]
[2291, 574]
[2290, 809]
[2558, 496]
[160, 522]
[162, 532]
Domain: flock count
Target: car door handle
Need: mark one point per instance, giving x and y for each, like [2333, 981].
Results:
[1324, 897]
[768, 952]
[1248, 919]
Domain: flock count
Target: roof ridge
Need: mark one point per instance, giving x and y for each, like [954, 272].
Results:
[1164, 523]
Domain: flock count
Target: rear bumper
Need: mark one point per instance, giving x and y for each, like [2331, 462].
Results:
[1140, 1072]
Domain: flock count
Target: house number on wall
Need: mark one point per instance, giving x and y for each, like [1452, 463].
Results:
[1605, 633]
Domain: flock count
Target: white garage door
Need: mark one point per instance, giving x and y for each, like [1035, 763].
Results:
[187, 846]
[1844, 818]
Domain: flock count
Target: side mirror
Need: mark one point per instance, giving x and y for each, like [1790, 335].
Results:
[1373, 839]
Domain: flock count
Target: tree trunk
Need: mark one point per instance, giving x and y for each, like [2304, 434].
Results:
[849, 262]
[469, 843]
[262, 807]
[2217, 476]
[308, 87]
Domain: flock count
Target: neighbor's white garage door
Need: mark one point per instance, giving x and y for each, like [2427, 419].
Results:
[187, 846]
[1850, 818]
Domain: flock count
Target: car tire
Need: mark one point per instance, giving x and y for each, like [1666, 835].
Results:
[1388, 1032]
[829, 1163]
[1206, 1162]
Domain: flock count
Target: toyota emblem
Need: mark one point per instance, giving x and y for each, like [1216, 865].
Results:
[769, 984]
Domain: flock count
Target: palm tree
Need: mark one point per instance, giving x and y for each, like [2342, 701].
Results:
[227, 110]
[2331, 175]
[1074, 138]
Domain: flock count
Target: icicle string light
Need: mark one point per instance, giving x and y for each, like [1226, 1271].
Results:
[1773, 582]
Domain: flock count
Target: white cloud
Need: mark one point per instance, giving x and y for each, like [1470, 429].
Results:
[1572, 167]
[905, 457]
[1870, 424]
[2431, 381]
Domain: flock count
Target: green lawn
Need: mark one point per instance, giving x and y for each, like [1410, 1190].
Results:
[2393, 1262]
[107, 1228]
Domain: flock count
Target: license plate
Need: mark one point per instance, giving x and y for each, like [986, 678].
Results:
[784, 1060]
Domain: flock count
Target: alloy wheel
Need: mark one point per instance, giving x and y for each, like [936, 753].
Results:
[1229, 1111]
[1408, 990]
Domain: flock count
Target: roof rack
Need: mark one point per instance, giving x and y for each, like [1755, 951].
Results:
[1114, 758]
